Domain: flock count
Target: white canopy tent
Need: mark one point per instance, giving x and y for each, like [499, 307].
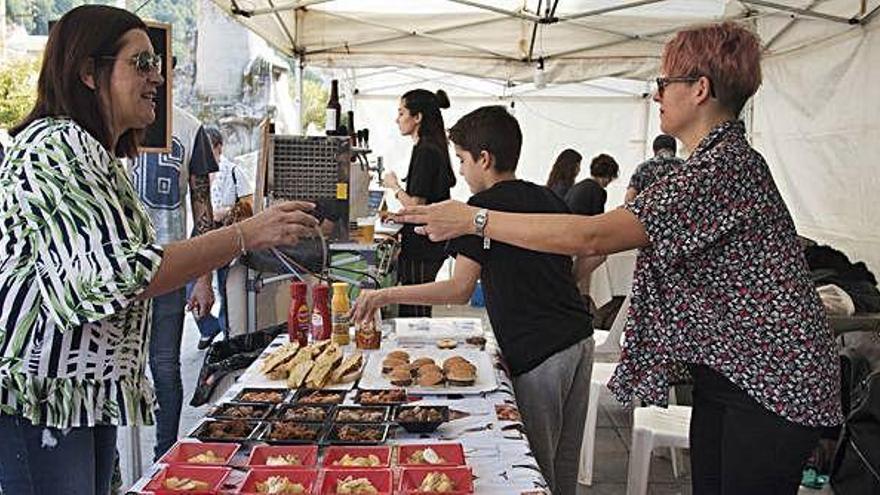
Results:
[813, 119]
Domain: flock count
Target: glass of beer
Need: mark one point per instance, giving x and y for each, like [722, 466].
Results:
[366, 229]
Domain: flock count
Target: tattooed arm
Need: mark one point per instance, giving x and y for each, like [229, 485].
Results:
[202, 297]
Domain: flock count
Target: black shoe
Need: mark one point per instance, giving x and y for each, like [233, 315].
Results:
[205, 342]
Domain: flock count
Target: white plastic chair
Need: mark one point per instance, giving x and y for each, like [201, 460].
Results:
[607, 342]
[654, 427]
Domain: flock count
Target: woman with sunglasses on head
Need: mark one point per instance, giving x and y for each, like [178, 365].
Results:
[721, 290]
[80, 259]
[428, 180]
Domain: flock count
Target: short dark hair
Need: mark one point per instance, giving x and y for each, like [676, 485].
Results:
[87, 32]
[604, 166]
[664, 142]
[214, 135]
[490, 129]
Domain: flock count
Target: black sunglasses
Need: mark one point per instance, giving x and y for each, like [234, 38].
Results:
[144, 62]
[662, 82]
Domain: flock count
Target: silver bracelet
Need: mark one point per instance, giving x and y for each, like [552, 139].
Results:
[240, 235]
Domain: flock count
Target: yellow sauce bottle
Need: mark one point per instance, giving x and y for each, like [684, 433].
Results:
[340, 306]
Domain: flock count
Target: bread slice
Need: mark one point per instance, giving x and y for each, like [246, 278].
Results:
[349, 368]
[278, 357]
[332, 356]
[298, 374]
[320, 375]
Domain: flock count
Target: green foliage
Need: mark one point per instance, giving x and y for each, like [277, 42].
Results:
[18, 89]
[35, 15]
[314, 102]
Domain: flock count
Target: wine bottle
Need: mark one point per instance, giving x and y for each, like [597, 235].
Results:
[331, 123]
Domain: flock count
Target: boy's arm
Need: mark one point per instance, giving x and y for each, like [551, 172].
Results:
[456, 290]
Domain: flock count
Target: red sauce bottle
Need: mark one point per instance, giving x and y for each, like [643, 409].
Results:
[322, 326]
[298, 320]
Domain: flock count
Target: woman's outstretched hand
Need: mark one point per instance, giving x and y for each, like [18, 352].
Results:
[440, 221]
[283, 224]
[366, 305]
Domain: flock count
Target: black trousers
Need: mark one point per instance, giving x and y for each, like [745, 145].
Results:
[740, 447]
[413, 272]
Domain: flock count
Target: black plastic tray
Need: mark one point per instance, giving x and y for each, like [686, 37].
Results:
[422, 426]
[360, 396]
[201, 431]
[278, 413]
[386, 411]
[221, 411]
[303, 392]
[269, 426]
[332, 436]
[240, 396]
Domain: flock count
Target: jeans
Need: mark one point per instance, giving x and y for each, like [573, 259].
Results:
[209, 325]
[552, 400]
[36, 460]
[738, 446]
[166, 333]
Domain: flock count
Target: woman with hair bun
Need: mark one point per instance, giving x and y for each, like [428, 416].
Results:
[428, 181]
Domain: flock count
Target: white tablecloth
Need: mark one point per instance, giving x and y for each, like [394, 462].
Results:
[613, 278]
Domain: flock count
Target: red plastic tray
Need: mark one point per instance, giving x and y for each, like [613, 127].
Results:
[452, 453]
[335, 453]
[308, 455]
[214, 476]
[380, 478]
[411, 478]
[182, 451]
[307, 477]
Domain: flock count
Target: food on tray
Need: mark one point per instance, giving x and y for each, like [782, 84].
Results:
[359, 434]
[430, 376]
[283, 460]
[288, 430]
[360, 415]
[419, 414]
[426, 456]
[389, 364]
[207, 457]
[423, 361]
[310, 414]
[320, 397]
[280, 485]
[274, 366]
[400, 376]
[227, 429]
[355, 486]
[398, 354]
[506, 412]
[447, 343]
[461, 376]
[352, 461]
[437, 483]
[298, 374]
[457, 361]
[240, 412]
[382, 396]
[273, 396]
[315, 365]
[478, 341]
[176, 484]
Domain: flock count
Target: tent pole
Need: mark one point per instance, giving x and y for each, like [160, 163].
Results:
[300, 96]
[803, 12]
[871, 15]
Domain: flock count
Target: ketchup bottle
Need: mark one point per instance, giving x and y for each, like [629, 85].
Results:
[321, 323]
[298, 321]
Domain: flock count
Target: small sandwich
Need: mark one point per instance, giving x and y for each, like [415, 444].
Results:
[390, 363]
[349, 370]
[283, 371]
[400, 377]
[280, 356]
[429, 368]
[454, 360]
[447, 343]
[298, 374]
[398, 354]
[461, 376]
[431, 377]
[318, 347]
[320, 375]
[332, 356]
[418, 363]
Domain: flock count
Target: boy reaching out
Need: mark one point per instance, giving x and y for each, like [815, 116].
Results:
[542, 326]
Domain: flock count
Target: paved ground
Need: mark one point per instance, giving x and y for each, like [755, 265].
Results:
[612, 437]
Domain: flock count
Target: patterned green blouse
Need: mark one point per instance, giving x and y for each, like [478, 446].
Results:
[77, 248]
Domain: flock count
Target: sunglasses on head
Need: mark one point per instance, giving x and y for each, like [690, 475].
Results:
[144, 62]
[662, 82]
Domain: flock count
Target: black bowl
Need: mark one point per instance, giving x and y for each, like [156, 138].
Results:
[422, 426]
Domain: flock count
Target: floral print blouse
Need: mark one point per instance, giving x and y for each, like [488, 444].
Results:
[724, 284]
[77, 249]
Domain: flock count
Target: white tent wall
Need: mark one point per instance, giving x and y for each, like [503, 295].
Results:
[816, 122]
[613, 125]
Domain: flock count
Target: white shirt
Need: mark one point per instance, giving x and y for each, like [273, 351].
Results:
[226, 187]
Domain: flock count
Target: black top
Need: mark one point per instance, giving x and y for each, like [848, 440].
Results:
[531, 297]
[428, 178]
[586, 197]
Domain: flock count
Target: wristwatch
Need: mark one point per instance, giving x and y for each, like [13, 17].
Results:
[480, 221]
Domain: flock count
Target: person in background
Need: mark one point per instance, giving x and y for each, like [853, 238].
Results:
[229, 186]
[721, 291]
[162, 181]
[565, 170]
[81, 259]
[655, 168]
[588, 197]
[428, 180]
[542, 325]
